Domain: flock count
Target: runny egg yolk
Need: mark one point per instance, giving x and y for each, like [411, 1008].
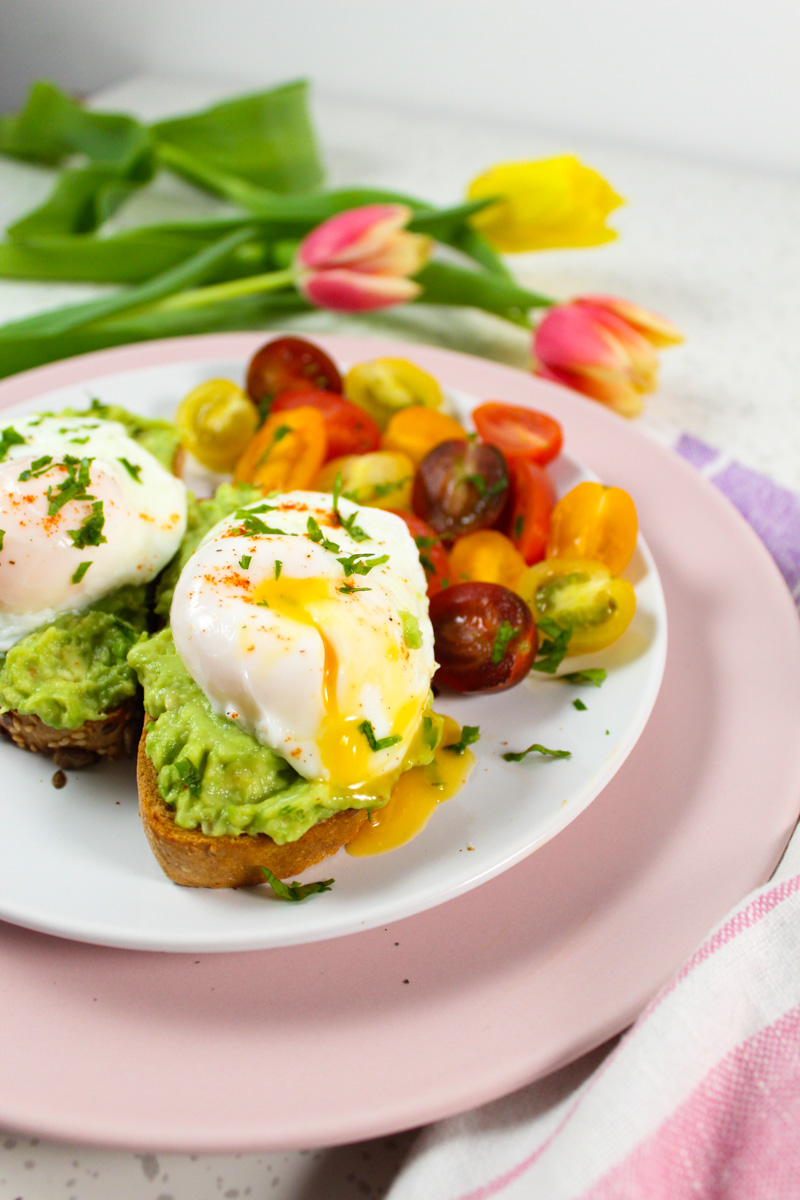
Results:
[344, 746]
[414, 798]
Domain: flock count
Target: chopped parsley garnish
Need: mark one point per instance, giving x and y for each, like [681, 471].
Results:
[2, 535]
[581, 707]
[519, 524]
[469, 735]
[278, 568]
[190, 776]
[377, 743]
[242, 513]
[378, 490]
[295, 891]
[38, 467]
[591, 675]
[245, 560]
[90, 531]
[424, 543]
[536, 749]
[478, 482]
[280, 433]
[412, 634]
[553, 649]
[78, 441]
[262, 603]
[349, 523]
[347, 590]
[429, 732]
[352, 566]
[316, 535]
[80, 572]
[8, 438]
[506, 632]
[256, 525]
[73, 487]
[133, 469]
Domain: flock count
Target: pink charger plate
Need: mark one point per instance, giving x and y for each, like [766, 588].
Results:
[379, 1031]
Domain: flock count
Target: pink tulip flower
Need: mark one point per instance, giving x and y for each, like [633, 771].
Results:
[361, 259]
[604, 347]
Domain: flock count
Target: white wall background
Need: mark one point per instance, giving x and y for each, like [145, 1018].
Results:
[716, 79]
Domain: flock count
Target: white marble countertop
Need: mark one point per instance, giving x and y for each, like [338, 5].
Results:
[717, 250]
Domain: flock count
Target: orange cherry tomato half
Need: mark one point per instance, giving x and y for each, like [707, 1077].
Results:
[416, 430]
[518, 432]
[596, 522]
[288, 360]
[286, 453]
[533, 497]
[487, 556]
[350, 430]
[432, 553]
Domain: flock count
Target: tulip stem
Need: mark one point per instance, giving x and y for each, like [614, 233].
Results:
[200, 297]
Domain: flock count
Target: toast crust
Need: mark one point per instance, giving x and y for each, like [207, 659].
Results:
[195, 859]
[113, 736]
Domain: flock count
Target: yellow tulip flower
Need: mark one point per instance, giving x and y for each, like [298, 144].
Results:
[548, 204]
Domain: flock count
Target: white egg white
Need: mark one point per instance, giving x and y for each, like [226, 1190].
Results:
[271, 628]
[143, 519]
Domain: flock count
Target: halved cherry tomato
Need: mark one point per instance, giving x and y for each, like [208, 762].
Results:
[380, 479]
[519, 432]
[596, 522]
[286, 453]
[487, 556]
[432, 553]
[416, 430]
[484, 637]
[582, 594]
[216, 420]
[387, 384]
[288, 360]
[533, 497]
[461, 486]
[350, 430]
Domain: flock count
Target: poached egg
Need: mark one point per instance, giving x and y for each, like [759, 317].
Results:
[308, 627]
[84, 510]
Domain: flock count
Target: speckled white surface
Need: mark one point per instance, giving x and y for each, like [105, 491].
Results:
[716, 250]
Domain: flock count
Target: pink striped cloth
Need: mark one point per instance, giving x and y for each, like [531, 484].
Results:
[701, 1097]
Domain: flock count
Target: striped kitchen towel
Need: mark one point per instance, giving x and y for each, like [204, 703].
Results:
[701, 1097]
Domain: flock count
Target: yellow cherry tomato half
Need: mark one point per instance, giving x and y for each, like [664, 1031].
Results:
[387, 384]
[416, 430]
[487, 557]
[582, 594]
[286, 453]
[596, 522]
[216, 420]
[380, 479]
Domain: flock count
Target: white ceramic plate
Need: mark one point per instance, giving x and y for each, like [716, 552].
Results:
[75, 862]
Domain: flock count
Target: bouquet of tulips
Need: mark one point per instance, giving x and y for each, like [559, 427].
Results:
[291, 246]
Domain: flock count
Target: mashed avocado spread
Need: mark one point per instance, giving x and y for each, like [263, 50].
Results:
[220, 779]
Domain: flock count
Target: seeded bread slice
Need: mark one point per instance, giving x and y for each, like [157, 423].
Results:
[113, 736]
[194, 859]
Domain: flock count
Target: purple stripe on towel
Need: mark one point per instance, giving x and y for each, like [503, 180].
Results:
[695, 451]
[773, 512]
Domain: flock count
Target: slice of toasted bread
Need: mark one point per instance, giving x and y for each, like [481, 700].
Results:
[113, 736]
[194, 859]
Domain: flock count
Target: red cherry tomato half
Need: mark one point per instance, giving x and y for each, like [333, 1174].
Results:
[432, 553]
[533, 497]
[350, 430]
[519, 432]
[484, 637]
[286, 361]
[460, 487]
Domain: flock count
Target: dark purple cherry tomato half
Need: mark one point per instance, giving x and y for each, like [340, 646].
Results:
[460, 487]
[484, 637]
[286, 362]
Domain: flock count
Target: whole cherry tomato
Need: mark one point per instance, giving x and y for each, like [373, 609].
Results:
[533, 497]
[519, 432]
[350, 430]
[432, 553]
[288, 360]
[460, 486]
[596, 522]
[484, 637]
[286, 453]
[583, 595]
